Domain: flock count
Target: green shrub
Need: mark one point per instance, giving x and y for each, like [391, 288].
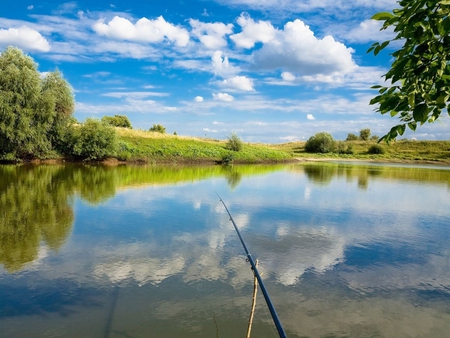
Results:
[364, 134]
[376, 149]
[234, 142]
[158, 128]
[117, 121]
[94, 140]
[320, 143]
[352, 137]
[227, 159]
[343, 148]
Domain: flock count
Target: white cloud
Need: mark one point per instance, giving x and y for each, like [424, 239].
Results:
[310, 5]
[198, 99]
[221, 65]
[239, 83]
[286, 76]
[288, 138]
[223, 97]
[30, 7]
[297, 50]
[210, 130]
[367, 31]
[310, 117]
[211, 35]
[134, 95]
[252, 32]
[25, 38]
[143, 31]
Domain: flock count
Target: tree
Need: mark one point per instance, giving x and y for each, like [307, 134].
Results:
[94, 140]
[234, 142]
[117, 121]
[418, 88]
[158, 128]
[320, 143]
[24, 121]
[34, 113]
[351, 137]
[364, 134]
[61, 94]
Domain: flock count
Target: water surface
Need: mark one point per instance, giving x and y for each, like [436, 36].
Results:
[148, 251]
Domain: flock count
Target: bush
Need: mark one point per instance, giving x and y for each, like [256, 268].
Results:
[158, 128]
[117, 121]
[352, 137]
[374, 138]
[320, 143]
[94, 140]
[376, 149]
[234, 142]
[342, 148]
[364, 134]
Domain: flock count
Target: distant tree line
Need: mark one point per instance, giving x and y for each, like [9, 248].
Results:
[324, 143]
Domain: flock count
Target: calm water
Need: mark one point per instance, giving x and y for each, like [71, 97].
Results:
[345, 250]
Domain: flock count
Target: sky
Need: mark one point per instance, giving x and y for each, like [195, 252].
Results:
[271, 71]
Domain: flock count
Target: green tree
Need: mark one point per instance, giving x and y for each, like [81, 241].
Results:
[364, 134]
[61, 95]
[352, 137]
[34, 113]
[234, 142]
[158, 128]
[117, 121]
[418, 82]
[320, 143]
[25, 117]
[93, 140]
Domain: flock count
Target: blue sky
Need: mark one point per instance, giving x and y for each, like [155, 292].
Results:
[269, 70]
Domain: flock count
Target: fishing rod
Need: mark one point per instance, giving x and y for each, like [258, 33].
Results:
[272, 310]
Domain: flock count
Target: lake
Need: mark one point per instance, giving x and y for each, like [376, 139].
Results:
[346, 250]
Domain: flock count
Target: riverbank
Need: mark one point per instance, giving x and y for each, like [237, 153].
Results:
[402, 151]
[138, 146]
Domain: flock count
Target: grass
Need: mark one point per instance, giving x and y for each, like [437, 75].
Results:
[153, 147]
[138, 145]
[402, 150]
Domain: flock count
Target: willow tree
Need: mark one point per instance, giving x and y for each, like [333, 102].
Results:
[61, 95]
[418, 82]
[32, 109]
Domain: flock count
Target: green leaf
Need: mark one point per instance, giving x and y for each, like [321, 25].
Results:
[442, 100]
[382, 16]
[412, 126]
[412, 99]
[444, 2]
[420, 113]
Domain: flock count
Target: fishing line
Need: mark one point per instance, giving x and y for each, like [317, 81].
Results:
[269, 303]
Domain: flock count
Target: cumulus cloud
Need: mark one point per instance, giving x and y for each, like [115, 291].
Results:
[297, 50]
[221, 65]
[25, 38]
[144, 30]
[367, 31]
[223, 97]
[239, 83]
[211, 35]
[198, 99]
[286, 76]
[310, 117]
[252, 32]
